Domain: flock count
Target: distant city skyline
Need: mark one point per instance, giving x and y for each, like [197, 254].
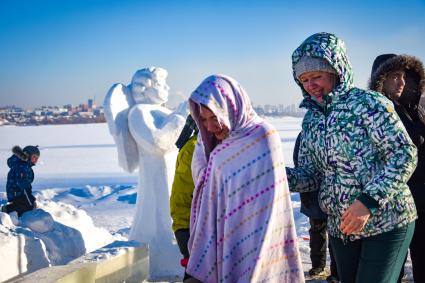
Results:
[97, 105]
[59, 52]
[90, 102]
[84, 113]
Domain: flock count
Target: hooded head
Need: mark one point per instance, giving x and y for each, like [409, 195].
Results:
[226, 98]
[414, 78]
[149, 86]
[323, 52]
[30, 153]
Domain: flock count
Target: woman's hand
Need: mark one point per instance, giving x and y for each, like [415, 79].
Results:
[354, 218]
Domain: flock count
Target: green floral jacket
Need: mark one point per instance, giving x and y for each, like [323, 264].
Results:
[353, 147]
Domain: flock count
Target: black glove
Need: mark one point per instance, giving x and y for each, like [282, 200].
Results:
[187, 132]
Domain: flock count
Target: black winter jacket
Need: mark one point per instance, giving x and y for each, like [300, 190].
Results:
[407, 109]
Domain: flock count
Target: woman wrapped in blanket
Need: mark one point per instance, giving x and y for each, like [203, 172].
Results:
[242, 226]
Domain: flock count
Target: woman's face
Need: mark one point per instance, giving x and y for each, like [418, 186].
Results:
[394, 84]
[318, 83]
[210, 122]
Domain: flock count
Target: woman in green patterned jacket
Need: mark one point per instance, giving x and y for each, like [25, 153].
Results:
[354, 144]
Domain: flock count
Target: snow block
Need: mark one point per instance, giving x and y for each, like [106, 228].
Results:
[5, 220]
[38, 221]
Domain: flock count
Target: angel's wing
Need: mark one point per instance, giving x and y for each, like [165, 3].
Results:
[116, 105]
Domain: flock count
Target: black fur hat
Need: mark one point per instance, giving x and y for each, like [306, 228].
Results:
[32, 149]
[379, 61]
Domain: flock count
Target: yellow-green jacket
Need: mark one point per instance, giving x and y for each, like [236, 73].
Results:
[181, 192]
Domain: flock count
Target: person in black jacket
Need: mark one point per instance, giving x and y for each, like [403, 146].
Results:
[318, 235]
[401, 78]
[19, 179]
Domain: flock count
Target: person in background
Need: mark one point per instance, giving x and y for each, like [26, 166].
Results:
[182, 189]
[19, 179]
[356, 150]
[241, 224]
[401, 78]
[318, 235]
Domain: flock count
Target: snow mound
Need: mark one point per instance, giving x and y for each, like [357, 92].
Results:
[39, 221]
[53, 234]
[7, 220]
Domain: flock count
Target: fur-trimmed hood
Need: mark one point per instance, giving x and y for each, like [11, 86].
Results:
[19, 157]
[20, 153]
[415, 76]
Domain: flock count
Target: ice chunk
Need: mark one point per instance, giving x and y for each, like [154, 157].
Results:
[38, 220]
[5, 220]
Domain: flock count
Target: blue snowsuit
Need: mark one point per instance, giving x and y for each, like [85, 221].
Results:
[18, 186]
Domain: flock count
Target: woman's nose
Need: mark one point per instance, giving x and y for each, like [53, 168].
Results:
[310, 86]
[210, 127]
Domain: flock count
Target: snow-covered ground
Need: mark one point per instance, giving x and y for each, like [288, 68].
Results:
[86, 199]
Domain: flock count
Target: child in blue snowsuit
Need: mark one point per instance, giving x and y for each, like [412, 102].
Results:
[19, 179]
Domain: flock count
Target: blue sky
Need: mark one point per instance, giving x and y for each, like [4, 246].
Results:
[66, 51]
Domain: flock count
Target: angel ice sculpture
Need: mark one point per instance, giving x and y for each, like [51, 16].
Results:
[145, 132]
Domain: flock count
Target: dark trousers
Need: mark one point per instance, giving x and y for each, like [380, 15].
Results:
[182, 237]
[318, 237]
[376, 259]
[20, 205]
[417, 248]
